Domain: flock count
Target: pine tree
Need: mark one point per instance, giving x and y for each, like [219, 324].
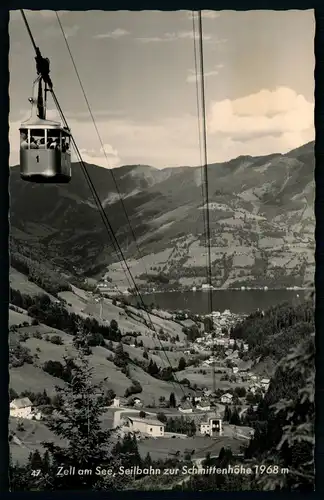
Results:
[172, 400]
[78, 423]
[46, 467]
[227, 414]
[208, 461]
[120, 351]
[192, 428]
[19, 477]
[147, 460]
[114, 325]
[235, 417]
[120, 356]
[127, 451]
[80, 340]
[35, 460]
[153, 369]
[221, 453]
[290, 433]
[182, 364]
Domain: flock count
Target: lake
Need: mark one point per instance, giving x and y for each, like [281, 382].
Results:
[236, 301]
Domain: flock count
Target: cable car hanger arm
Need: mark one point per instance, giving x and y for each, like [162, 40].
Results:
[42, 68]
[42, 63]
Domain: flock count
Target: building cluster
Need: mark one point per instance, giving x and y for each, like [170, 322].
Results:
[233, 348]
[208, 424]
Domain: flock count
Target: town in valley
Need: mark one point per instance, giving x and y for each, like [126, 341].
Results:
[162, 252]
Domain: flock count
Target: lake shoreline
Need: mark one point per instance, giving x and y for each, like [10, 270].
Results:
[247, 289]
[236, 301]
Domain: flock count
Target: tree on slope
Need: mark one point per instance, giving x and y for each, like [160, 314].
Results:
[172, 400]
[292, 424]
[77, 422]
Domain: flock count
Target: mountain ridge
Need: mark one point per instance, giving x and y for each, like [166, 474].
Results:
[261, 218]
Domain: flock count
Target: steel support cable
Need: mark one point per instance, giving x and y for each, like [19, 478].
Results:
[93, 191]
[102, 146]
[199, 131]
[104, 222]
[197, 84]
[101, 143]
[111, 232]
[102, 211]
[208, 243]
[103, 149]
[104, 217]
[203, 104]
[37, 53]
[28, 30]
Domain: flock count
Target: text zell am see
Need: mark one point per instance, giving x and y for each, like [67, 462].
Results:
[152, 471]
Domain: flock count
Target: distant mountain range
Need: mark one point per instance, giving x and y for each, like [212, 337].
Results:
[261, 218]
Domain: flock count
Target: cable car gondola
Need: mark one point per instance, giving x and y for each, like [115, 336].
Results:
[45, 155]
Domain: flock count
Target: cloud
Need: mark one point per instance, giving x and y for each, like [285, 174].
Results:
[280, 113]
[171, 37]
[69, 31]
[192, 78]
[117, 33]
[45, 14]
[190, 35]
[210, 14]
[99, 114]
[84, 135]
[269, 121]
[106, 157]
[206, 14]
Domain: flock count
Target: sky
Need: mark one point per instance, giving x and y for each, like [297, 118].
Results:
[137, 70]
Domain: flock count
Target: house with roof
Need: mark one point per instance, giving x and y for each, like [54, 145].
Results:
[244, 368]
[227, 398]
[265, 382]
[147, 426]
[115, 403]
[188, 323]
[203, 405]
[185, 407]
[207, 392]
[21, 408]
[254, 389]
[211, 425]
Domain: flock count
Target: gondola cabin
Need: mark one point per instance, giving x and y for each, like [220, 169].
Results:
[45, 155]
